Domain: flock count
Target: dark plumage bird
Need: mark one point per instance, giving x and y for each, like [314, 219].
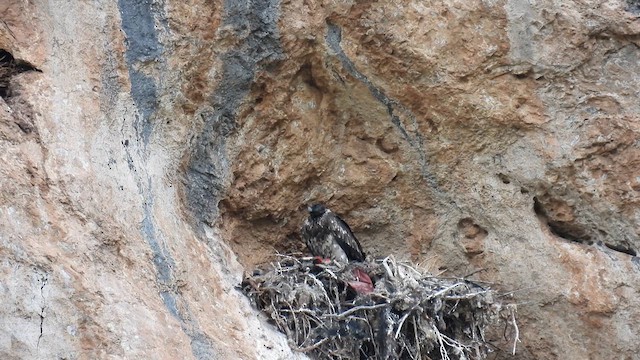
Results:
[328, 236]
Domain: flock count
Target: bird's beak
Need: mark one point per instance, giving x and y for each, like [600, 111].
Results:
[309, 208]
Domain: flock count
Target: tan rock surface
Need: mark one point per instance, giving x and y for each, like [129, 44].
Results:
[163, 139]
[98, 257]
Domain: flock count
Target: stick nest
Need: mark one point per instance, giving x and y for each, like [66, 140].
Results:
[408, 315]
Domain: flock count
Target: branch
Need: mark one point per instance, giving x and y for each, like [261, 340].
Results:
[357, 308]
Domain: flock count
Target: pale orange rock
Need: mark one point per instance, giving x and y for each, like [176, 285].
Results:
[164, 149]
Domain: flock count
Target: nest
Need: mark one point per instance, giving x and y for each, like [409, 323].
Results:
[407, 314]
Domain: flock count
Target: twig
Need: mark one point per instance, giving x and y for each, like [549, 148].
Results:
[279, 321]
[295, 322]
[289, 257]
[516, 330]
[465, 297]
[415, 271]
[385, 264]
[415, 332]
[311, 347]
[331, 273]
[357, 308]
[458, 279]
[445, 290]
[324, 291]
[321, 312]
[403, 319]
[443, 351]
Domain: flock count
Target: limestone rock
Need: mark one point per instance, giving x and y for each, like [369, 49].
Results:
[165, 147]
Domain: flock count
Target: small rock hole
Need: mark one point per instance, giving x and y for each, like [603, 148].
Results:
[504, 179]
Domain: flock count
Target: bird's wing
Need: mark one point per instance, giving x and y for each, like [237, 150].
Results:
[304, 230]
[344, 236]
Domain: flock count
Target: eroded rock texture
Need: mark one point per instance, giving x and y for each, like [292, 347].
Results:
[147, 144]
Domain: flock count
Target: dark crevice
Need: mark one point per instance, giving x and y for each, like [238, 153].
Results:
[44, 280]
[10, 67]
[621, 249]
[413, 138]
[561, 229]
[254, 26]
[504, 178]
[41, 324]
[145, 65]
[576, 233]
[537, 207]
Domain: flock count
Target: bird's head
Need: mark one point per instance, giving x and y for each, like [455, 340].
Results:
[316, 210]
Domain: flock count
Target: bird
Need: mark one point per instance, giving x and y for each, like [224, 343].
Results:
[329, 237]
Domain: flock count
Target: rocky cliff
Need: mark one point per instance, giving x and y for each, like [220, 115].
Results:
[152, 150]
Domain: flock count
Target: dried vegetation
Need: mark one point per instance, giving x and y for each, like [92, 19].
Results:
[408, 315]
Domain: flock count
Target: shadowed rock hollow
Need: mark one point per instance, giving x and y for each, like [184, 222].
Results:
[151, 151]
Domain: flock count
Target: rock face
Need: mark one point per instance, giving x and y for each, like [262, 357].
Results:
[152, 150]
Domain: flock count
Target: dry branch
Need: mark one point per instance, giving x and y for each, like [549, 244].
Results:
[409, 315]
